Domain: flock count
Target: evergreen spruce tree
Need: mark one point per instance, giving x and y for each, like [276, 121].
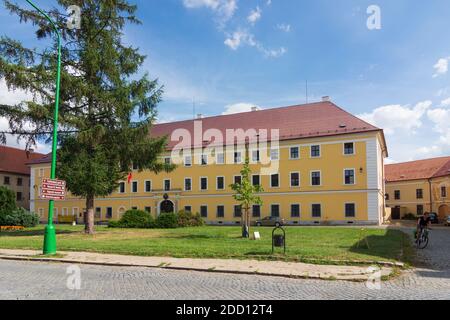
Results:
[106, 109]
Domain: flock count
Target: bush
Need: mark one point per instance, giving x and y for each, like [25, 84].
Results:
[134, 219]
[188, 219]
[19, 217]
[167, 221]
[409, 216]
[7, 201]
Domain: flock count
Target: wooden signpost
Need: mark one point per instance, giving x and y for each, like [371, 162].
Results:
[53, 189]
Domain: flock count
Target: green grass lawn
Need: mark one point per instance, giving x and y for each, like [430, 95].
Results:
[308, 244]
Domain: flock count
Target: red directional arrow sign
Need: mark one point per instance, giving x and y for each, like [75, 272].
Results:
[53, 189]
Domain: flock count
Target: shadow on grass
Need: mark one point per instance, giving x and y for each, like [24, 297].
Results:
[393, 245]
[31, 233]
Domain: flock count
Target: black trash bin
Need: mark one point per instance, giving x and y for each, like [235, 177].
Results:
[278, 240]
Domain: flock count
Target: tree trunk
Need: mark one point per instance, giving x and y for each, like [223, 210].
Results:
[89, 222]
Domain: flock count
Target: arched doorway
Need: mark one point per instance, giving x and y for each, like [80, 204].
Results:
[166, 206]
[444, 212]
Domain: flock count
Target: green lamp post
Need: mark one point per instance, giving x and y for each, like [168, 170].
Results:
[50, 232]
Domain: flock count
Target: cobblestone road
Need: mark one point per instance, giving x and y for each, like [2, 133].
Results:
[34, 280]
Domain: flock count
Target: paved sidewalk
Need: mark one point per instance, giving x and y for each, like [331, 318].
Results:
[269, 268]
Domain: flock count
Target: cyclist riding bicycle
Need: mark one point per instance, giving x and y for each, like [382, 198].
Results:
[423, 223]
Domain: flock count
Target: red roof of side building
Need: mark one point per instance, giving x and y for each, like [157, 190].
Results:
[319, 119]
[14, 160]
[417, 170]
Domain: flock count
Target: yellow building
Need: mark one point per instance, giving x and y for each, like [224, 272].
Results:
[419, 186]
[15, 174]
[318, 165]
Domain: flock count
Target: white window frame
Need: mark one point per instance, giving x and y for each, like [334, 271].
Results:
[124, 189]
[277, 150]
[188, 164]
[164, 184]
[299, 210]
[279, 181]
[184, 184]
[223, 158]
[145, 186]
[203, 156]
[137, 186]
[167, 158]
[311, 178]
[76, 212]
[354, 149]
[200, 184]
[260, 181]
[299, 179]
[65, 212]
[290, 152]
[239, 157]
[224, 211]
[257, 153]
[320, 151]
[354, 177]
[279, 209]
[224, 183]
[321, 210]
[234, 178]
[356, 210]
[207, 210]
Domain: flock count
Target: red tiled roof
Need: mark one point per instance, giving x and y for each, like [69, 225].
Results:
[14, 160]
[295, 122]
[416, 170]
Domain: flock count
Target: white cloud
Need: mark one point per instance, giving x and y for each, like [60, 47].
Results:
[268, 2]
[445, 103]
[243, 37]
[396, 117]
[239, 108]
[254, 16]
[441, 67]
[223, 9]
[284, 27]
[441, 120]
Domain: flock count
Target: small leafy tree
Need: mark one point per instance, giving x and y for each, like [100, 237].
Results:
[246, 195]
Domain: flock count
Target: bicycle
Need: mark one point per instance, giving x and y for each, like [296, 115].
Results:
[423, 239]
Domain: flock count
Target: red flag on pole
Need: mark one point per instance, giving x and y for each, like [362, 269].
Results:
[130, 176]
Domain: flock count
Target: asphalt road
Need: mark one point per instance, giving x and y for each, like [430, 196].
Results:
[36, 280]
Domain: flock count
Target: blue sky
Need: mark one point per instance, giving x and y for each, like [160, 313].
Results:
[228, 55]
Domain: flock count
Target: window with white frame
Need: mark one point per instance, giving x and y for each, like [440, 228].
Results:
[295, 179]
[255, 156]
[274, 154]
[167, 185]
[316, 179]
[148, 186]
[295, 210]
[187, 184]
[188, 161]
[204, 160]
[315, 151]
[316, 210]
[350, 210]
[349, 148]
[275, 180]
[220, 183]
[294, 153]
[220, 158]
[237, 157]
[349, 176]
[203, 183]
[134, 187]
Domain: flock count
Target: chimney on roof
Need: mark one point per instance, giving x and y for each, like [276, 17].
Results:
[326, 99]
[199, 116]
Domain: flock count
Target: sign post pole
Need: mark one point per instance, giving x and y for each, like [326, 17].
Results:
[50, 233]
